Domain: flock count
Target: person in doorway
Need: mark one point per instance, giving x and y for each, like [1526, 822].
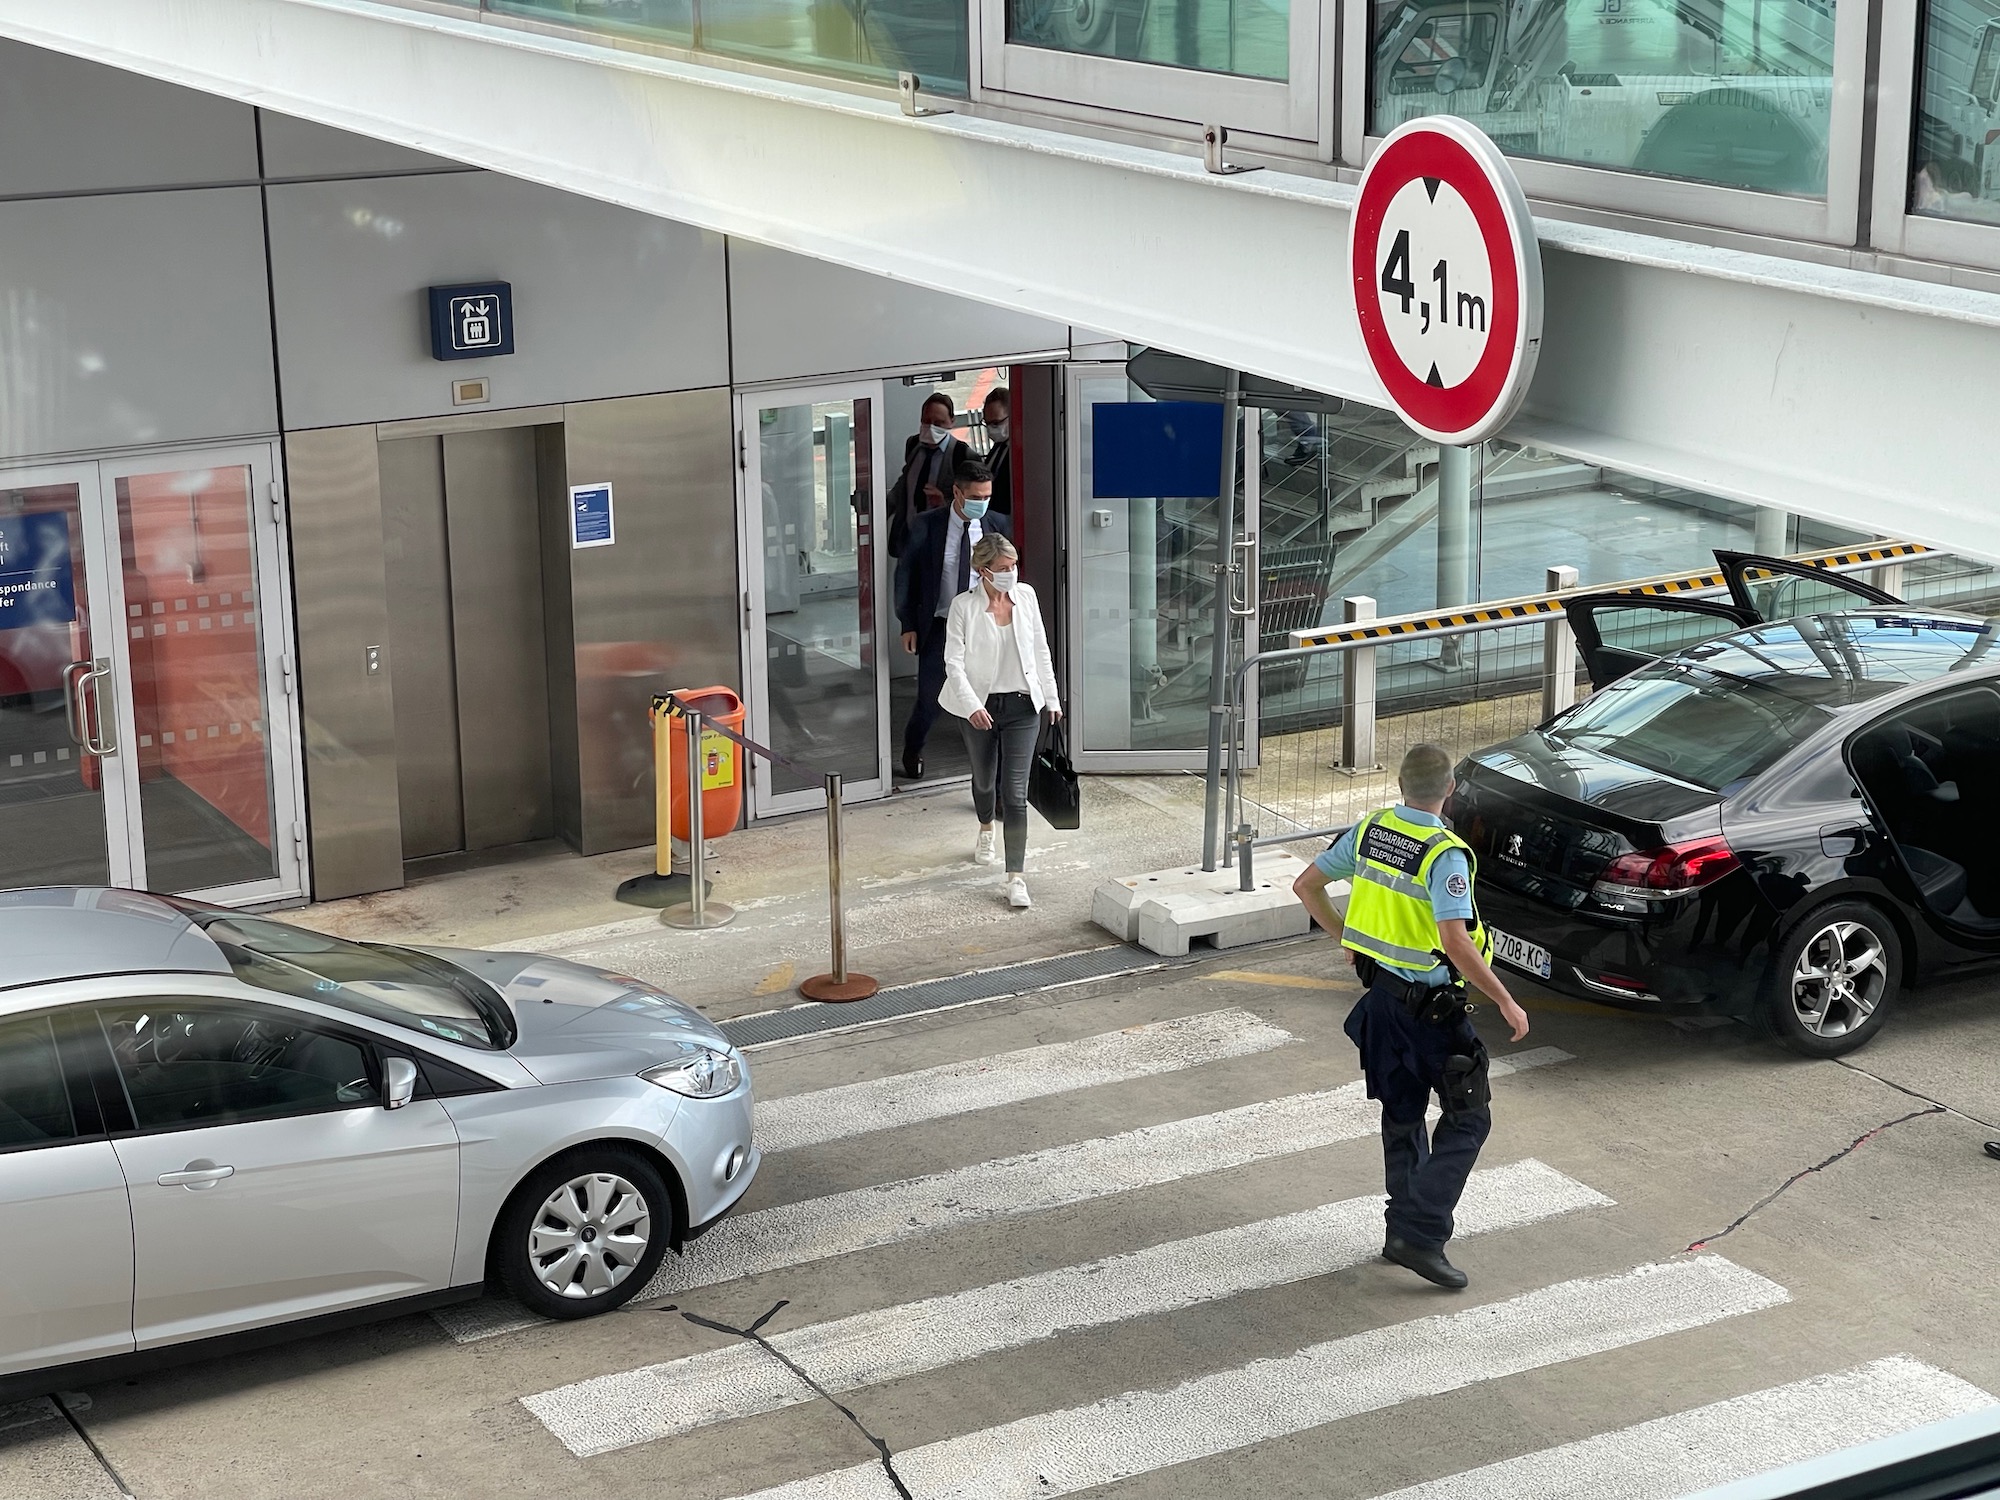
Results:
[1413, 927]
[930, 457]
[1000, 452]
[934, 568]
[999, 679]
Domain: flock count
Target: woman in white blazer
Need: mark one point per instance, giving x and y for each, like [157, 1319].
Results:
[999, 679]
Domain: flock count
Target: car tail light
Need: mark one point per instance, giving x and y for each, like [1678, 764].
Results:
[1657, 874]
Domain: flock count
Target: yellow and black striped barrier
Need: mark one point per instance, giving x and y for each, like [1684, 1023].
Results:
[1538, 606]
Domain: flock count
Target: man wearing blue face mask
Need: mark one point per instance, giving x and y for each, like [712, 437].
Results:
[930, 458]
[934, 568]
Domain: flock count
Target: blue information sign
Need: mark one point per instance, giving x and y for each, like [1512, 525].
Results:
[1148, 450]
[36, 586]
[590, 520]
[472, 322]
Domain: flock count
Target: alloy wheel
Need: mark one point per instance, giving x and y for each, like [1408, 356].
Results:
[1839, 979]
[588, 1235]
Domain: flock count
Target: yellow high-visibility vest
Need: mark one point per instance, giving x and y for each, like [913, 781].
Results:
[1389, 915]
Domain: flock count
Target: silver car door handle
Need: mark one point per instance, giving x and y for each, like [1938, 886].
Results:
[196, 1175]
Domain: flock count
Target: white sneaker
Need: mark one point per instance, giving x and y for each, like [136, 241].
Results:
[985, 849]
[1017, 893]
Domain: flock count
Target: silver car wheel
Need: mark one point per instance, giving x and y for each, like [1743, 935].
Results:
[589, 1235]
[1839, 979]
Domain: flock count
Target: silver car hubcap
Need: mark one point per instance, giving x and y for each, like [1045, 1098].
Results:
[589, 1235]
[1839, 979]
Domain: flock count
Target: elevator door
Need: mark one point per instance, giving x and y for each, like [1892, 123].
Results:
[463, 543]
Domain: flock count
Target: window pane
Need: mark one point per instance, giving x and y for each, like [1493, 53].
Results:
[34, 1105]
[1955, 168]
[1736, 92]
[1249, 38]
[1691, 726]
[195, 1066]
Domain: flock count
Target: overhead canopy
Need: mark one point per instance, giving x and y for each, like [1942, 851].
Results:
[1176, 377]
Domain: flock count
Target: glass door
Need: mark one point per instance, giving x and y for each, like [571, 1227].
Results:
[147, 732]
[62, 818]
[815, 592]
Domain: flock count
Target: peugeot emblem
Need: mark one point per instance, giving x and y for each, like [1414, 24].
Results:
[1514, 845]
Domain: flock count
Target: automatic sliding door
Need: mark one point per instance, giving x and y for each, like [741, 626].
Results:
[811, 469]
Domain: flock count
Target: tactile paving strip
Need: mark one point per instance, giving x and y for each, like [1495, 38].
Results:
[937, 994]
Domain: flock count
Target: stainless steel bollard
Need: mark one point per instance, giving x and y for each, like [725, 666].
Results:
[698, 912]
[839, 985]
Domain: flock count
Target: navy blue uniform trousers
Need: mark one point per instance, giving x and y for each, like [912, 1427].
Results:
[1424, 1170]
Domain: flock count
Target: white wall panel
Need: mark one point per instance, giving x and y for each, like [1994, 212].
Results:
[68, 126]
[299, 148]
[133, 319]
[795, 316]
[607, 302]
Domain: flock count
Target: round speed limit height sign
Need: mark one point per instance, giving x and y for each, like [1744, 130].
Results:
[1447, 279]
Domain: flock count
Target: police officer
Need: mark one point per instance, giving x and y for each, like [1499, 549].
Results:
[1414, 929]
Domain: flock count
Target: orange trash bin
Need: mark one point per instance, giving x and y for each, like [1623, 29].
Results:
[722, 767]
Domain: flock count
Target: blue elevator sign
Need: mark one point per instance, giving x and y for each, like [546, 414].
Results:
[472, 322]
[36, 585]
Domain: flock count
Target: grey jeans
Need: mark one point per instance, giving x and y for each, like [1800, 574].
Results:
[1001, 759]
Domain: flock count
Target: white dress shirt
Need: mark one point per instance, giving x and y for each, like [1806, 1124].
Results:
[958, 532]
[974, 661]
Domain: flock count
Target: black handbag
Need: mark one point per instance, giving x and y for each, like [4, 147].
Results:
[1052, 789]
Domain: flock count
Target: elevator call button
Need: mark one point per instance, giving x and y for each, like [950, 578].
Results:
[1447, 279]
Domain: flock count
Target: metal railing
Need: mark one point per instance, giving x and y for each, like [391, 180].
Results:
[1465, 678]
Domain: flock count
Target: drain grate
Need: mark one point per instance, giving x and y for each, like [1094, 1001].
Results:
[938, 994]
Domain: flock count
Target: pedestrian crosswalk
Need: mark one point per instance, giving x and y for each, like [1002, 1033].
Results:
[1209, 1412]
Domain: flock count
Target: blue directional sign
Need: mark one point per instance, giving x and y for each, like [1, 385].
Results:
[590, 520]
[36, 585]
[472, 322]
[1146, 450]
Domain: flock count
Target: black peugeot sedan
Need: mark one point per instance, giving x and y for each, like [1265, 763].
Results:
[1786, 821]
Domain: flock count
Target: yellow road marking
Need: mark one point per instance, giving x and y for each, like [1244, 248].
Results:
[1289, 981]
[778, 979]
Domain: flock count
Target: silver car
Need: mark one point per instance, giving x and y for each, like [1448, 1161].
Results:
[214, 1124]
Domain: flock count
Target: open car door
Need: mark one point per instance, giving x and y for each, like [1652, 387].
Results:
[1620, 633]
[1780, 589]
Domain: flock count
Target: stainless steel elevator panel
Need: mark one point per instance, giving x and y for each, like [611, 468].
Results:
[496, 605]
[418, 566]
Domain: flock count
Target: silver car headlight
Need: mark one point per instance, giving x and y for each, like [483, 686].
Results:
[706, 1074]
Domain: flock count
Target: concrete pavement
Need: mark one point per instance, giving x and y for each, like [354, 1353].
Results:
[1012, 1328]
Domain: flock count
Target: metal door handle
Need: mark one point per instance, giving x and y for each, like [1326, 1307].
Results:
[1243, 602]
[70, 701]
[104, 741]
[196, 1174]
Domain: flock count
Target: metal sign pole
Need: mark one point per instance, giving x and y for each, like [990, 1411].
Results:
[1218, 668]
[839, 985]
[697, 913]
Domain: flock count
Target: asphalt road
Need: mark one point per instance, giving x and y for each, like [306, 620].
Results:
[1071, 1257]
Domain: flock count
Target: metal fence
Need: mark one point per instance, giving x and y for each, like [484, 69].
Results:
[1337, 711]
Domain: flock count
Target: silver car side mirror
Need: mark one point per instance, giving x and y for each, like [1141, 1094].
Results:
[399, 1082]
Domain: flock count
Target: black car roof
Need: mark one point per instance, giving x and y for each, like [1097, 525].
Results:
[1846, 659]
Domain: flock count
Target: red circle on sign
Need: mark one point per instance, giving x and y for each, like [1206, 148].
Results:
[1432, 148]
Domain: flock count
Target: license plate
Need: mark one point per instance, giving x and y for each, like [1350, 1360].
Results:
[1511, 951]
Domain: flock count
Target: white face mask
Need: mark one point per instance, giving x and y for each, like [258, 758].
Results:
[1003, 583]
[934, 435]
[997, 430]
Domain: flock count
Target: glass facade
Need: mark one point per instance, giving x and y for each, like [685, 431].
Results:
[867, 40]
[1246, 38]
[1955, 156]
[1733, 92]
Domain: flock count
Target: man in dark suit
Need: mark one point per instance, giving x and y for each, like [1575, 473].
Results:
[999, 456]
[930, 458]
[934, 569]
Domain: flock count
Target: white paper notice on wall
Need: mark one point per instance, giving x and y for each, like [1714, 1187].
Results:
[590, 518]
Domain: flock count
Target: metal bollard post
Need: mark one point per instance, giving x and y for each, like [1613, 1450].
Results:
[1357, 693]
[839, 985]
[1246, 877]
[1558, 651]
[698, 913]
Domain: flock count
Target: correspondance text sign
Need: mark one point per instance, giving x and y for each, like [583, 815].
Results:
[1447, 277]
[36, 584]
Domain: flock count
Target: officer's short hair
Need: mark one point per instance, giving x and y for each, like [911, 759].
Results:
[1424, 773]
[972, 471]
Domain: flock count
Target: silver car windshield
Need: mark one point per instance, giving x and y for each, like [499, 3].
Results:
[385, 983]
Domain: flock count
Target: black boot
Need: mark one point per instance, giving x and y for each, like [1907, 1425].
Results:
[1429, 1264]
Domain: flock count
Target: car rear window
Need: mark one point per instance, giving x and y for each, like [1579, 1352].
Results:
[1695, 727]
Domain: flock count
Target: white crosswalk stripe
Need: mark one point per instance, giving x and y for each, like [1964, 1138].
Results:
[1721, 1443]
[664, 1400]
[1140, 1432]
[1012, 1077]
[795, 1234]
